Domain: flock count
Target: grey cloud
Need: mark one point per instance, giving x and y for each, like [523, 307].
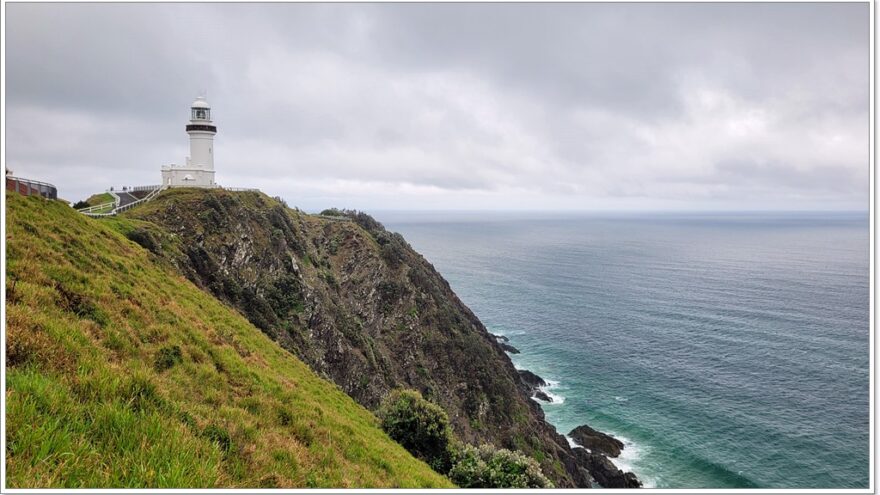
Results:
[506, 105]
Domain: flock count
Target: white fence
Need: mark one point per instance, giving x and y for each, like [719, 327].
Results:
[240, 189]
[97, 211]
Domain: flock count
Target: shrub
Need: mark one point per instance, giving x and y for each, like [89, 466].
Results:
[285, 417]
[145, 239]
[219, 436]
[421, 427]
[488, 467]
[167, 357]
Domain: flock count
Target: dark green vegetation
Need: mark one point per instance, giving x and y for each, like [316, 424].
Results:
[358, 305]
[420, 426]
[423, 429]
[122, 373]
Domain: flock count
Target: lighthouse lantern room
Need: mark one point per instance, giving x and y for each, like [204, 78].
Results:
[199, 168]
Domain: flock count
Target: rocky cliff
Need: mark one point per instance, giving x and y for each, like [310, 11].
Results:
[358, 305]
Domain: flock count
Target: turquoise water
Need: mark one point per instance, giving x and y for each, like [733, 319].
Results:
[726, 350]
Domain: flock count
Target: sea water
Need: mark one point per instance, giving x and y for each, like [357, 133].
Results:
[725, 350]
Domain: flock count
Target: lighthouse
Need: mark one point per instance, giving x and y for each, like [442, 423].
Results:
[199, 168]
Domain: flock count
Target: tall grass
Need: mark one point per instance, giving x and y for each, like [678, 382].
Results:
[121, 373]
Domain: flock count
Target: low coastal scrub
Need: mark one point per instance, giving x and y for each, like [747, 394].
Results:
[488, 467]
[423, 429]
[121, 373]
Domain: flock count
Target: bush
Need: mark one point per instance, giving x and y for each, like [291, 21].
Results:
[167, 357]
[487, 467]
[219, 436]
[146, 240]
[421, 427]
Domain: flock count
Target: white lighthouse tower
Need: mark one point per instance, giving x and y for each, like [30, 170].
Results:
[199, 168]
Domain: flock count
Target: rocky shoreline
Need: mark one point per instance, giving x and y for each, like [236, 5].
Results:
[592, 448]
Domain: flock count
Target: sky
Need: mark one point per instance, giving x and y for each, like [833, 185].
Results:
[589, 106]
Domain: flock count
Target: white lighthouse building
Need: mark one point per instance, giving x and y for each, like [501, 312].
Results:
[199, 168]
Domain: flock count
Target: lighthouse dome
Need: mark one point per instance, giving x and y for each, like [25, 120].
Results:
[200, 103]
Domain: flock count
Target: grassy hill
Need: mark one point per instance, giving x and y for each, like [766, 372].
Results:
[121, 373]
[99, 199]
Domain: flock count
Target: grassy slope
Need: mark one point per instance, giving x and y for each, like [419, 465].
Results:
[89, 316]
[100, 199]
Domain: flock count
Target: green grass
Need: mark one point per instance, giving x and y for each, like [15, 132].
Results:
[121, 373]
[100, 199]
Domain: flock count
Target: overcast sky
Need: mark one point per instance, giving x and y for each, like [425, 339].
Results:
[453, 106]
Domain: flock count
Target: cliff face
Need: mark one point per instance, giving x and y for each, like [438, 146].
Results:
[358, 305]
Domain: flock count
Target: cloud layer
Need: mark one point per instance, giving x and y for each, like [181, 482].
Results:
[453, 106]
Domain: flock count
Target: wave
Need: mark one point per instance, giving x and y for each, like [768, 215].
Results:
[627, 459]
[555, 399]
[548, 389]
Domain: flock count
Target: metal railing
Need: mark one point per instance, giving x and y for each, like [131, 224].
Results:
[142, 188]
[44, 189]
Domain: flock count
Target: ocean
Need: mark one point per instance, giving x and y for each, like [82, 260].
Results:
[726, 350]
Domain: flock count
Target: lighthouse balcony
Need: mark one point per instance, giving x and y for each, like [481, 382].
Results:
[201, 127]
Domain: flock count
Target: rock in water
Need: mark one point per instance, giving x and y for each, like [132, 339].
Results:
[605, 472]
[509, 348]
[541, 395]
[596, 441]
[500, 338]
[531, 379]
[534, 383]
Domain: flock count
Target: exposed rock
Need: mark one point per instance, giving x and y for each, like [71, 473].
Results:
[509, 348]
[605, 472]
[534, 383]
[501, 338]
[531, 379]
[596, 441]
[541, 395]
[573, 465]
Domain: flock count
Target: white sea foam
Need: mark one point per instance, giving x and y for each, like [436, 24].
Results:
[555, 398]
[628, 458]
[548, 389]
[620, 399]
[575, 445]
